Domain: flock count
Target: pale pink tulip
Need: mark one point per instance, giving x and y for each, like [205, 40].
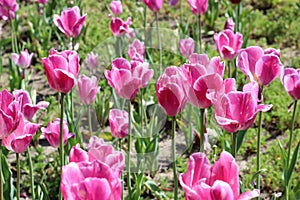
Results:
[118, 122]
[23, 60]
[229, 24]
[91, 61]
[87, 89]
[61, 69]
[70, 22]
[291, 82]
[118, 27]
[198, 7]
[116, 7]
[8, 9]
[186, 47]
[154, 5]
[136, 51]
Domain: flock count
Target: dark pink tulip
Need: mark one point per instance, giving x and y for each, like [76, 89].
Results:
[198, 7]
[23, 60]
[220, 181]
[90, 180]
[20, 139]
[70, 22]
[228, 44]
[10, 113]
[61, 69]
[78, 155]
[91, 61]
[154, 5]
[170, 91]
[201, 75]
[118, 122]
[8, 9]
[118, 27]
[291, 82]
[116, 7]
[87, 89]
[42, 1]
[136, 51]
[186, 47]
[257, 65]
[173, 2]
[28, 109]
[229, 24]
[52, 132]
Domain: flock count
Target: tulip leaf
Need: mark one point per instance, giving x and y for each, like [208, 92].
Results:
[257, 174]
[153, 187]
[293, 163]
[8, 186]
[240, 139]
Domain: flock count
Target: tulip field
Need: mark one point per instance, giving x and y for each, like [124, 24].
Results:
[149, 99]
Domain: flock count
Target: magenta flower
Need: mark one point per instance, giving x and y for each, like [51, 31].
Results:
[154, 5]
[186, 47]
[70, 22]
[229, 24]
[61, 69]
[87, 89]
[170, 91]
[118, 27]
[118, 122]
[291, 82]
[136, 51]
[220, 181]
[127, 79]
[27, 108]
[52, 132]
[173, 2]
[199, 76]
[198, 7]
[10, 113]
[116, 7]
[91, 61]
[23, 60]
[20, 139]
[228, 44]
[257, 65]
[8, 9]
[42, 1]
[90, 180]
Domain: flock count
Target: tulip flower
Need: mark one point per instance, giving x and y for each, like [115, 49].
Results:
[70, 22]
[186, 47]
[220, 181]
[235, 1]
[118, 122]
[61, 69]
[228, 44]
[23, 60]
[173, 2]
[198, 7]
[116, 7]
[91, 61]
[291, 82]
[42, 1]
[20, 139]
[118, 27]
[87, 89]
[52, 132]
[154, 5]
[259, 65]
[8, 9]
[229, 24]
[170, 91]
[136, 51]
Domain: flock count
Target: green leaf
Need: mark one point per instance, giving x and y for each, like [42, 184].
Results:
[8, 186]
[257, 174]
[293, 163]
[153, 187]
[240, 139]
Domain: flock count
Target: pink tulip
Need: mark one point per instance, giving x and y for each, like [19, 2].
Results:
[52, 132]
[198, 7]
[127, 79]
[173, 2]
[8, 9]
[228, 44]
[23, 60]
[70, 22]
[220, 181]
[20, 139]
[186, 47]
[154, 5]
[42, 1]
[116, 7]
[91, 61]
[28, 109]
[118, 27]
[10, 113]
[170, 91]
[118, 122]
[201, 75]
[291, 82]
[136, 51]
[229, 24]
[87, 89]
[61, 69]
[90, 180]
[257, 65]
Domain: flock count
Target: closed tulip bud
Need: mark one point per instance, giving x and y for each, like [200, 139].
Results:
[186, 47]
[118, 122]
[87, 89]
[23, 60]
[198, 7]
[154, 5]
[116, 7]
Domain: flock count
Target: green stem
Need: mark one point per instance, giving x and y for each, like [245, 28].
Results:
[238, 13]
[234, 144]
[129, 150]
[72, 110]
[1, 174]
[122, 176]
[31, 174]
[258, 151]
[145, 25]
[90, 120]
[180, 19]
[61, 139]
[159, 44]
[202, 130]
[18, 176]
[228, 69]
[174, 158]
[199, 34]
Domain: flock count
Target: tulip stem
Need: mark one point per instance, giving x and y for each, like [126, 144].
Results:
[18, 176]
[234, 142]
[228, 69]
[258, 150]
[145, 24]
[31, 174]
[174, 158]
[199, 34]
[1, 174]
[180, 19]
[61, 142]
[159, 43]
[202, 110]
[90, 120]
[129, 150]
[122, 176]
